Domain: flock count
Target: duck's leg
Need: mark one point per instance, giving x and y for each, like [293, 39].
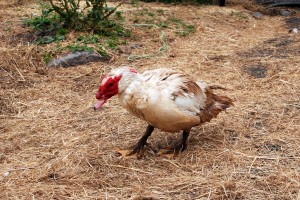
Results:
[180, 148]
[138, 149]
[183, 145]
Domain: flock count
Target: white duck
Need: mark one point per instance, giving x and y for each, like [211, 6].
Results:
[168, 100]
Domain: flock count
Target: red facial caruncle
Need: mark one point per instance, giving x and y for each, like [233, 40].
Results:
[108, 88]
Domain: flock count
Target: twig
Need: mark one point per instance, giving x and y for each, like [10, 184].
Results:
[171, 163]
[8, 73]
[266, 157]
[21, 168]
[33, 167]
[133, 169]
[57, 9]
[112, 11]
[217, 87]
[23, 79]
[249, 171]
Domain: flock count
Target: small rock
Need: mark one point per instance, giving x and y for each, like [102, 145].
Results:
[5, 174]
[77, 58]
[273, 147]
[191, 195]
[135, 46]
[257, 15]
[294, 30]
[285, 13]
[53, 176]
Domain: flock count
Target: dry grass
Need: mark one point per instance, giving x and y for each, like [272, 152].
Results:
[54, 146]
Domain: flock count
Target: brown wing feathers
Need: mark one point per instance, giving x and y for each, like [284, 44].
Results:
[214, 104]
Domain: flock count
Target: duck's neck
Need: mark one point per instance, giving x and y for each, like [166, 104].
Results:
[126, 80]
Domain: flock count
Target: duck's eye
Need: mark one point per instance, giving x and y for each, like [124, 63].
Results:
[111, 84]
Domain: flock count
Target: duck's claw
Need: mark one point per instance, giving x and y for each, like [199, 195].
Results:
[135, 151]
[171, 153]
[125, 153]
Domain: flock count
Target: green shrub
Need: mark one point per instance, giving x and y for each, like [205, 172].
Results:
[47, 21]
[91, 16]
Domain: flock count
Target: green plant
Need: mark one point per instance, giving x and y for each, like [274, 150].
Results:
[78, 47]
[163, 24]
[118, 16]
[112, 42]
[147, 12]
[47, 57]
[101, 50]
[59, 48]
[46, 21]
[92, 15]
[135, 3]
[7, 28]
[88, 39]
[182, 29]
[160, 11]
[48, 24]
[61, 31]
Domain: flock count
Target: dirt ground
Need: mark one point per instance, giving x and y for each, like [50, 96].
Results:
[53, 145]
